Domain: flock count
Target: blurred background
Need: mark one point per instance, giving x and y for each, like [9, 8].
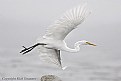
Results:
[23, 21]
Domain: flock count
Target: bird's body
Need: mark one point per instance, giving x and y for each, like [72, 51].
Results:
[53, 42]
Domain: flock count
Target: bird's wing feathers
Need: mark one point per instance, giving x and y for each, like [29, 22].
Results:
[50, 55]
[69, 21]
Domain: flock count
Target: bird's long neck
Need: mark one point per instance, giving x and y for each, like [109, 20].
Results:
[76, 47]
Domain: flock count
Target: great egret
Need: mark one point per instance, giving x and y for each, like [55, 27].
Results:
[53, 41]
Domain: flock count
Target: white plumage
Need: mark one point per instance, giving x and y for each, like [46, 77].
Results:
[53, 40]
[69, 21]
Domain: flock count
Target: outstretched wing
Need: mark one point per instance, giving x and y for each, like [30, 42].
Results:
[50, 55]
[69, 21]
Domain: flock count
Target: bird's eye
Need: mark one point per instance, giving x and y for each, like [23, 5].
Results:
[88, 43]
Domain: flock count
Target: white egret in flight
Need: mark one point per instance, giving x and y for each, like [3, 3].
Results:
[53, 42]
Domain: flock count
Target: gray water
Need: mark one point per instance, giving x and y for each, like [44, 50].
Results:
[13, 64]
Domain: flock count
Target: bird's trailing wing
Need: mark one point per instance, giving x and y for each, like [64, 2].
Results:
[69, 21]
[50, 55]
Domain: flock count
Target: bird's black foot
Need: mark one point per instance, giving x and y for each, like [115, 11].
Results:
[26, 50]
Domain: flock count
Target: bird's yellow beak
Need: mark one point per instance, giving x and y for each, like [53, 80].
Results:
[91, 44]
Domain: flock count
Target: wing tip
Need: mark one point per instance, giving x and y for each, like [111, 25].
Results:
[63, 68]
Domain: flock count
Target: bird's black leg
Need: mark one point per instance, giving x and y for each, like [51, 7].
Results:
[26, 50]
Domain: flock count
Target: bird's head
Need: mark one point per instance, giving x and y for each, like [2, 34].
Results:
[84, 42]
